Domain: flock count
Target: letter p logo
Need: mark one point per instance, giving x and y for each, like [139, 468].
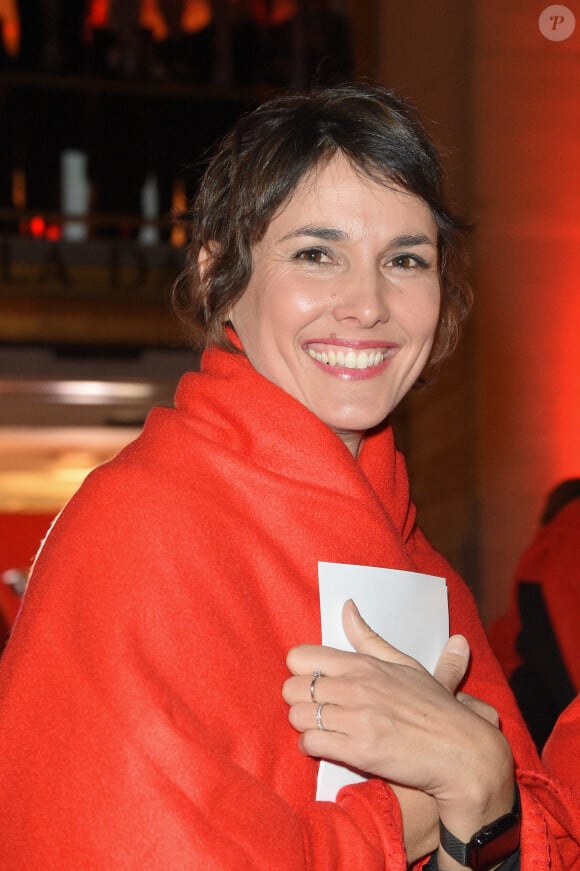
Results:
[557, 23]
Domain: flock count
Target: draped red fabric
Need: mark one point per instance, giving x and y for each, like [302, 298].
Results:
[141, 719]
[561, 757]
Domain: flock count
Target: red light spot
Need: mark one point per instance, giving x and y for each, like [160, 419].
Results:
[37, 226]
[53, 232]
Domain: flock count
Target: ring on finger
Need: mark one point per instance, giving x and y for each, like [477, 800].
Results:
[315, 675]
[319, 723]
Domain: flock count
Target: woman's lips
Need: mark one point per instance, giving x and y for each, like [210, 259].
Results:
[351, 359]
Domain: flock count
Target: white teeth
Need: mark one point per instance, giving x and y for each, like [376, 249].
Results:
[350, 360]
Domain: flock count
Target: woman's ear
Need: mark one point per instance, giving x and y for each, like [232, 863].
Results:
[206, 257]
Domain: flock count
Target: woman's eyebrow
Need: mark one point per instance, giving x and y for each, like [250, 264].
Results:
[329, 234]
[410, 240]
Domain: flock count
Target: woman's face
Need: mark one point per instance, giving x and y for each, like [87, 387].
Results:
[344, 298]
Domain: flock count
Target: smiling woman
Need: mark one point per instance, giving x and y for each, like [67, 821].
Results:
[148, 719]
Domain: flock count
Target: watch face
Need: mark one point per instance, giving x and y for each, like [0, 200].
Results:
[494, 843]
[490, 845]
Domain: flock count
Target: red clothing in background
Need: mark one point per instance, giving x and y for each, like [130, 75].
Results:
[538, 641]
[553, 561]
[141, 719]
[20, 537]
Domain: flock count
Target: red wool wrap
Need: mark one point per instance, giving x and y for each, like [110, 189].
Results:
[561, 756]
[141, 720]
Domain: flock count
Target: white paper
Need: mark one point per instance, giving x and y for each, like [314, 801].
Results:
[408, 609]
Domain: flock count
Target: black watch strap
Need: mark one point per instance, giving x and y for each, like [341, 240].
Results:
[490, 845]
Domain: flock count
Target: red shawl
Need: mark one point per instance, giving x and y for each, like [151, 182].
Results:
[561, 756]
[141, 720]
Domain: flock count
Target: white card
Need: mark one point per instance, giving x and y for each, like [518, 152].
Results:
[408, 609]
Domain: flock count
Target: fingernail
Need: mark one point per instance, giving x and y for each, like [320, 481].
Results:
[458, 644]
[352, 604]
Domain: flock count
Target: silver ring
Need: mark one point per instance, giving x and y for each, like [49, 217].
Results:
[315, 675]
[319, 723]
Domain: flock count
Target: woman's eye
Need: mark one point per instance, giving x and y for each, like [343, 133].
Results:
[311, 255]
[408, 261]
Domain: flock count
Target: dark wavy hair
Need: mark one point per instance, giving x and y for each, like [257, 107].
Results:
[258, 166]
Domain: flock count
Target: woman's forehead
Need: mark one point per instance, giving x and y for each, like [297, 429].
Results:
[338, 190]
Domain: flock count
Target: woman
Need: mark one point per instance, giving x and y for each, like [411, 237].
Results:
[143, 723]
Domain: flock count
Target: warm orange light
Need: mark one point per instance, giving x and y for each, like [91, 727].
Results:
[10, 26]
[151, 18]
[11, 36]
[18, 188]
[179, 205]
[196, 15]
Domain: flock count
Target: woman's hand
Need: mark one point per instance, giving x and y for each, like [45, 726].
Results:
[419, 811]
[450, 670]
[384, 714]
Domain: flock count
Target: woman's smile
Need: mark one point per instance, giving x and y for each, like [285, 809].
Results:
[351, 359]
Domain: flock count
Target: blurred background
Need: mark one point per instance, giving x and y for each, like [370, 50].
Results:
[107, 109]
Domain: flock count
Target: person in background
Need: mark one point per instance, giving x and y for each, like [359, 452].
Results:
[12, 585]
[164, 697]
[537, 641]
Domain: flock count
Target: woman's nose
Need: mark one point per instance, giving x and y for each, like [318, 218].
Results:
[362, 298]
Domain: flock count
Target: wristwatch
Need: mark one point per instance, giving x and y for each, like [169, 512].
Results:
[489, 846]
